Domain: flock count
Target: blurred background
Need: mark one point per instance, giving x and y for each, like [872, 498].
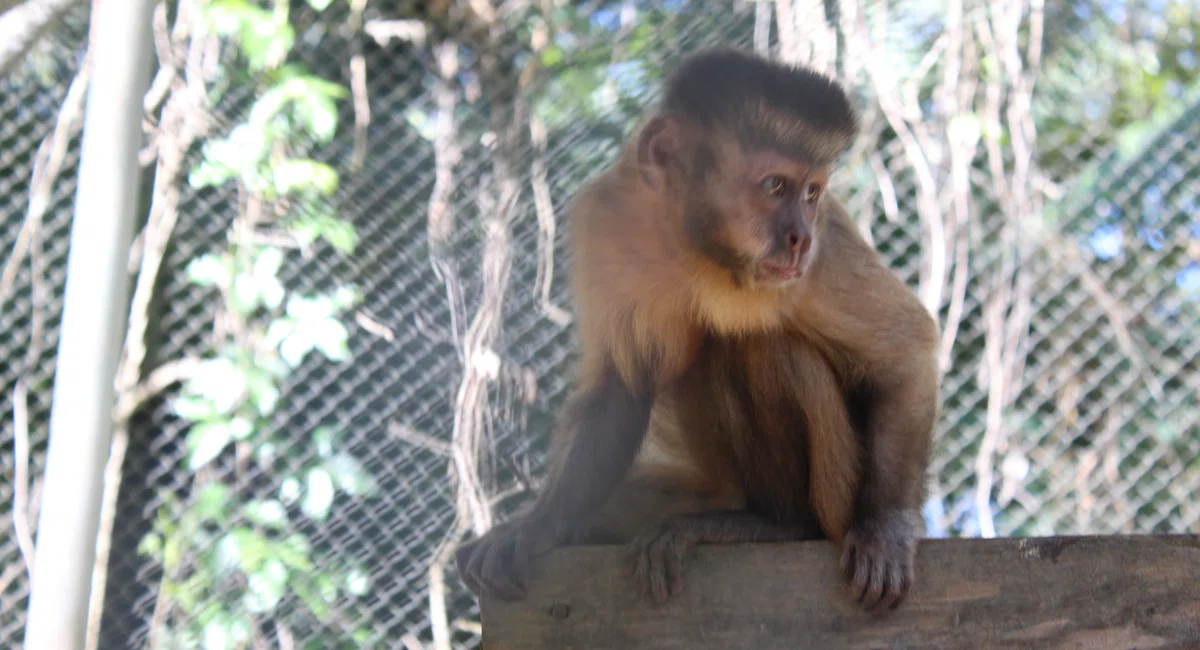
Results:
[351, 327]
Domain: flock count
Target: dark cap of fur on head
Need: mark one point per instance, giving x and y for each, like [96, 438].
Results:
[763, 103]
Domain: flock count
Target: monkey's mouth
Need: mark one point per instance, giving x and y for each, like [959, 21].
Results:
[778, 272]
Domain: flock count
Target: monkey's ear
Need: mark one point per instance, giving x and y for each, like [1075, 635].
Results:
[658, 145]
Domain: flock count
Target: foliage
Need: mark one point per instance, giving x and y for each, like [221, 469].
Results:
[233, 559]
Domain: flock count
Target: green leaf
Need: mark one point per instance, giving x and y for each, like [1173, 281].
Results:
[195, 409]
[226, 556]
[551, 55]
[342, 236]
[289, 490]
[319, 114]
[241, 152]
[263, 393]
[318, 494]
[344, 297]
[332, 339]
[350, 476]
[327, 588]
[253, 549]
[294, 552]
[266, 587]
[420, 122]
[319, 5]
[279, 330]
[267, 263]
[302, 174]
[310, 307]
[220, 381]
[209, 270]
[211, 501]
[363, 637]
[151, 545]
[358, 582]
[217, 636]
[240, 428]
[294, 348]
[323, 441]
[323, 224]
[205, 442]
[269, 513]
[266, 452]
[208, 174]
[245, 296]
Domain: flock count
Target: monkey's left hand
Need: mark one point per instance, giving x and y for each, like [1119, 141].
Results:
[878, 561]
[499, 560]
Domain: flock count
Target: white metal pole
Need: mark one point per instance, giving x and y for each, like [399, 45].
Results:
[94, 311]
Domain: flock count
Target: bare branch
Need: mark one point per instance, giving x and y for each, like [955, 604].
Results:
[157, 381]
[46, 168]
[20, 514]
[441, 221]
[22, 26]
[358, 83]
[547, 226]
[373, 326]
[383, 31]
[410, 435]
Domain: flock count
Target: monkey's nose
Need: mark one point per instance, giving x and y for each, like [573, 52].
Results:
[798, 245]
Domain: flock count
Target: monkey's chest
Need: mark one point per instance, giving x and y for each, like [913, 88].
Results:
[748, 405]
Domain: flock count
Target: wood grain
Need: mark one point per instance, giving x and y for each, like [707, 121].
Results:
[1089, 593]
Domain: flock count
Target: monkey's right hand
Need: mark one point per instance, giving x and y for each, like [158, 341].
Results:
[499, 560]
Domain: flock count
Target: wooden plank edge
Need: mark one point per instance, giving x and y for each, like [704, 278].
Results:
[1086, 592]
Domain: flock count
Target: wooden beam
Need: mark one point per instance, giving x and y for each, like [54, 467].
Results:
[1090, 593]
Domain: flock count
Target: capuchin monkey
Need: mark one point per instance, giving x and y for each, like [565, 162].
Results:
[750, 370]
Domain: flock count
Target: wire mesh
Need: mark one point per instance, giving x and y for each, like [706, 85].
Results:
[1097, 430]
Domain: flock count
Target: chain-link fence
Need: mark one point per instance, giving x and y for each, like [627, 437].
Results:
[1032, 173]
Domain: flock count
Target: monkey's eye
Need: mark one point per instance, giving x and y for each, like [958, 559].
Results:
[774, 185]
[812, 193]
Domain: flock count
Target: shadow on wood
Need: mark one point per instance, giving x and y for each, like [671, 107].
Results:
[1090, 593]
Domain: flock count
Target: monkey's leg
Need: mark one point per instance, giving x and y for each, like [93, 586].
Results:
[658, 551]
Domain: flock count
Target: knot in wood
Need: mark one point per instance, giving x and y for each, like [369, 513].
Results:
[560, 611]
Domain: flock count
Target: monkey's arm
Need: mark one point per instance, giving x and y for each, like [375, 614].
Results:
[606, 427]
[602, 428]
[889, 342]
[879, 550]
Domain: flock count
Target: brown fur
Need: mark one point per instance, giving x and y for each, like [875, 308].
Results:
[715, 404]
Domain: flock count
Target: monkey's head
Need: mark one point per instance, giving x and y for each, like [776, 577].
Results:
[745, 146]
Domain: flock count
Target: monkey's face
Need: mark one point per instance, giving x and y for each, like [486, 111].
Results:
[756, 214]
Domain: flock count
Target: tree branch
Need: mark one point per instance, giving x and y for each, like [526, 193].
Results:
[22, 26]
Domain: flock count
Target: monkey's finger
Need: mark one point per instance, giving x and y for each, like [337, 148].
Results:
[495, 571]
[906, 581]
[473, 570]
[639, 550]
[469, 578]
[848, 560]
[658, 569]
[862, 577]
[890, 600]
[894, 589]
[676, 549]
[641, 571]
[522, 556]
[875, 586]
